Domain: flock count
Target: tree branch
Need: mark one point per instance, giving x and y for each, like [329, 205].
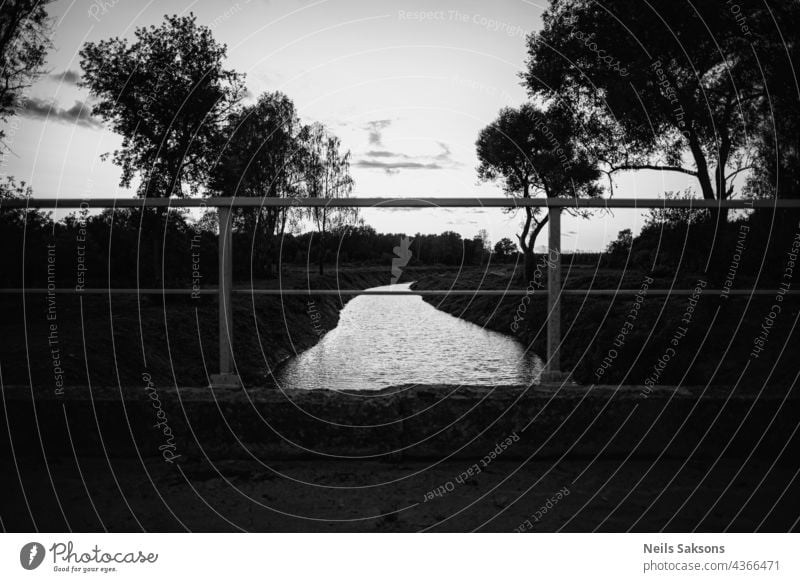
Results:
[652, 167]
[738, 171]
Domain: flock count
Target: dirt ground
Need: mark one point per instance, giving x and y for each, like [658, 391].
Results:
[350, 496]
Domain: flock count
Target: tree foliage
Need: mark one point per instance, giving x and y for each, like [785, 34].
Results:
[326, 175]
[690, 88]
[505, 248]
[262, 152]
[533, 151]
[776, 134]
[24, 42]
[262, 158]
[167, 94]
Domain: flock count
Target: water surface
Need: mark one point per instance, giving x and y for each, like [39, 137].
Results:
[385, 340]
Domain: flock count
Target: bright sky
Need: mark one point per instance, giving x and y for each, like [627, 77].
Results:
[406, 86]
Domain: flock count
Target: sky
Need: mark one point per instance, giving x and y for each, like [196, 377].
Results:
[407, 86]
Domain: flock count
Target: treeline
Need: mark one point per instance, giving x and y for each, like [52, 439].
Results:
[107, 249]
[756, 245]
[190, 127]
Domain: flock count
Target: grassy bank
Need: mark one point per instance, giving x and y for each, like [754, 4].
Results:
[598, 346]
[101, 340]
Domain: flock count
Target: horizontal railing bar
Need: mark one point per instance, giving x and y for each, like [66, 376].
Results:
[101, 291]
[478, 202]
[740, 292]
[429, 292]
[500, 292]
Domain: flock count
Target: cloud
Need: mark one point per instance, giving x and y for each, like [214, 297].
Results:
[375, 129]
[385, 154]
[68, 77]
[79, 113]
[398, 165]
[392, 162]
[445, 155]
[416, 209]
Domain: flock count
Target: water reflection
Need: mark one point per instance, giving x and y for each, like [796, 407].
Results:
[385, 340]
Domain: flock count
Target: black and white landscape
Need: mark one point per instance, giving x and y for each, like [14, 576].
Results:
[344, 266]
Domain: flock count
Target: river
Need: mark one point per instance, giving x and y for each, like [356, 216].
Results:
[386, 340]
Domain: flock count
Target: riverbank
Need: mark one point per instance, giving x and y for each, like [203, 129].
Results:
[639, 338]
[101, 340]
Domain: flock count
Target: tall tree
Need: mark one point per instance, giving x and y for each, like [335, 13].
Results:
[167, 94]
[24, 42]
[776, 138]
[262, 158]
[327, 175]
[673, 86]
[533, 151]
[672, 92]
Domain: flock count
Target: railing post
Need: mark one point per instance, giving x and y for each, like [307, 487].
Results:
[552, 370]
[227, 377]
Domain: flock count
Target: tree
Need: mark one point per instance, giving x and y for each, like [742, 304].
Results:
[326, 175]
[623, 244]
[670, 86]
[483, 246]
[167, 94]
[677, 91]
[776, 135]
[531, 151]
[505, 248]
[24, 42]
[263, 159]
[17, 218]
[660, 218]
[483, 237]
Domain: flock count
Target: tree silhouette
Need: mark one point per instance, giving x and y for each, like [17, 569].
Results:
[167, 94]
[505, 248]
[532, 151]
[687, 86]
[24, 42]
[622, 245]
[776, 139]
[327, 175]
[678, 86]
[262, 158]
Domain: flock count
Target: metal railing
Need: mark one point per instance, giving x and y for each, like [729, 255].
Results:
[227, 376]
